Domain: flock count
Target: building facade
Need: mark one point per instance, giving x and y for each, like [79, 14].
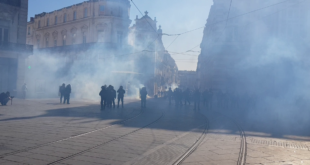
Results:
[93, 21]
[232, 48]
[13, 48]
[158, 68]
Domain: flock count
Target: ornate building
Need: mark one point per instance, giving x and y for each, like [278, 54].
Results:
[155, 63]
[13, 48]
[232, 49]
[102, 29]
[93, 21]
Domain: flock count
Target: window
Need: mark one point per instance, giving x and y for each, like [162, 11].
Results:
[101, 10]
[74, 15]
[84, 39]
[46, 42]
[39, 24]
[65, 18]
[120, 38]
[56, 20]
[64, 40]
[29, 30]
[85, 12]
[38, 43]
[73, 38]
[55, 43]
[6, 35]
[47, 22]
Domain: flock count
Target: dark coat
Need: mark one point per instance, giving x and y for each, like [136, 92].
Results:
[121, 92]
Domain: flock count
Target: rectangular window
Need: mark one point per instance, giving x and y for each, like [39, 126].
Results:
[1, 35]
[39, 24]
[47, 22]
[84, 39]
[28, 30]
[101, 10]
[55, 43]
[46, 42]
[56, 20]
[85, 12]
[6, 35]
[74, 15]
[38, 43]
[65, 18]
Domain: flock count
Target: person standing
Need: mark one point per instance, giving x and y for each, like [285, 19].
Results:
[62, 92]
[113, 97]
[187, 94]
[24, 88]
[102, 94]
[143, 94]
[170, 93]
[67, 94]
[121, 92]
[197, 99]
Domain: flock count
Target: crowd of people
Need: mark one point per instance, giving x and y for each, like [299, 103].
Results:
[5, 98]
[108, 96]
[210, 98]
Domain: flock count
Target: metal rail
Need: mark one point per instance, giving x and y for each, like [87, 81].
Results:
[72, 137]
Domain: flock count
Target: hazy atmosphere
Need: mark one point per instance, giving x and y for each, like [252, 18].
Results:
[175, 16]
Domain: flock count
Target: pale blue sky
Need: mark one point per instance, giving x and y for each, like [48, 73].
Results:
[175, 16]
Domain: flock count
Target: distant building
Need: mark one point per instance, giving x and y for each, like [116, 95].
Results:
[102, 28]
[226, 43]
[187, 79]
[13, 48]
[155, 63]
[81, 25]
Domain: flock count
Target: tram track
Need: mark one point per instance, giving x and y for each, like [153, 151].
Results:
[104, 143]
[243, 145]
[72, 137]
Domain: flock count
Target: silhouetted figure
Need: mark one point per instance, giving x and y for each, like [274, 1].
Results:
[187, 96]
[121, 92]
[25, 89]
[196, 97]
[113, 96]
[62, 92]
[109, 96]
[103, 94]
[170, 95]
[5, 98]
[143, 94]
[204, 97]
[67, 94]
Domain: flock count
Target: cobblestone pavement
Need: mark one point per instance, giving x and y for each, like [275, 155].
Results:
[222, 147]
[36, 132]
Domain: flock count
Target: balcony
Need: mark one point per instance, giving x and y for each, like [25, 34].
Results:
[14, 47]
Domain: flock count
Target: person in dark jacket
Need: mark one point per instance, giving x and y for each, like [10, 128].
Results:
[196, 96]
[170, 95]
[113, 96]
[67, 93]
[187, 96]
[102, 94]
[62, 92]
[5, 98]
[143, 94]
[121, 92]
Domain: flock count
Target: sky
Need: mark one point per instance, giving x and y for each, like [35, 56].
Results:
[175, 16]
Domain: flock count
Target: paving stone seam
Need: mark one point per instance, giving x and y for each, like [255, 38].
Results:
[72, 137]
[102, 144]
